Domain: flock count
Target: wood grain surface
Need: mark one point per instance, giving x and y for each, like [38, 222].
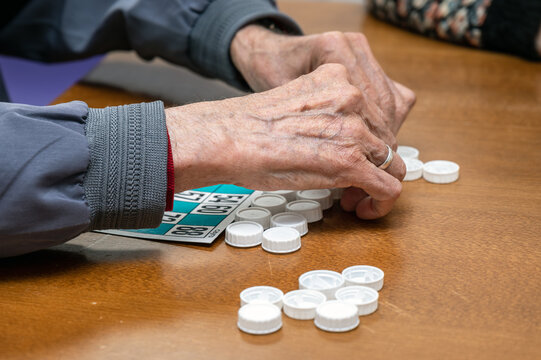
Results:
[462, 261]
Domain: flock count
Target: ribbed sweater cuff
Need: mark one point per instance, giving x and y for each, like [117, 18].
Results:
[511, 26]
[211, 37]
[126, 181]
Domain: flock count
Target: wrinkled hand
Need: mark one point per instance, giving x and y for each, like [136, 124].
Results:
[266, 60]
[306, 134]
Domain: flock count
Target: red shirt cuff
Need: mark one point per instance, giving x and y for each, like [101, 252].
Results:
[170, 196]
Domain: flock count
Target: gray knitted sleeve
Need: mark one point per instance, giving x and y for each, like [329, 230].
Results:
[126, 181]
[213, 32]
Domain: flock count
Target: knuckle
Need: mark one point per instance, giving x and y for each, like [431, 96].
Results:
[402, 110]
[349, 156]
[348, 103]
[352, 94]
[388, 138]
[392, 143]
[333, 40]
[358, 38]
[406, 94]
[357, 131]
[361, 38]
[351, 159]
[338, 71]
[377, 151]
[410, 97]
[395, 190]
[335, 44]
[400, 170]
[405, 99]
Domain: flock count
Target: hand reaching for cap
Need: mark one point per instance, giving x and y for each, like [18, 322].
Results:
[309, 133]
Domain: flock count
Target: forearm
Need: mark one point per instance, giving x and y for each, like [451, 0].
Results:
[66, 169]
[262, 56]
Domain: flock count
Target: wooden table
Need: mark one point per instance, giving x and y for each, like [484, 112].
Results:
[462, 261]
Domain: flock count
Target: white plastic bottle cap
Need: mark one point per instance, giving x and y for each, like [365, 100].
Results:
[322, 196]
[337, 193]
[364, 275]
[336, 316]
[281, 240]
[302, 304]
[310, 209]
[324, 281]
[259, 215]
[441, 171]
[292, 220]
[259, 319]
[262, 294]
[365, 298]
[244, 234]
[290, 195]
[414, 169]
[273, 202]
[407, 152]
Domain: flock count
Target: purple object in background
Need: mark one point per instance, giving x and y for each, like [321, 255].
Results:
[37, 83]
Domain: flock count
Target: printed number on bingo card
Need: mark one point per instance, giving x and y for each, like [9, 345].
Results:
[226, 199]
[172, 217]
[191, 196]
[211, 209]
[188, 230]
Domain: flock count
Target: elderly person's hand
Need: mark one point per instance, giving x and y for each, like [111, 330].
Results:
[305, 134]
[266, 60]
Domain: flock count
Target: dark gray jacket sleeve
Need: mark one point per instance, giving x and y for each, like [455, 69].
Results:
[192, 33]
[66, 169]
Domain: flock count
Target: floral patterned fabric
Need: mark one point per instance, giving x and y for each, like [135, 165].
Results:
[459, 21]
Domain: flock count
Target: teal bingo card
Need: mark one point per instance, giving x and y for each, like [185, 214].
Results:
[198, 215]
